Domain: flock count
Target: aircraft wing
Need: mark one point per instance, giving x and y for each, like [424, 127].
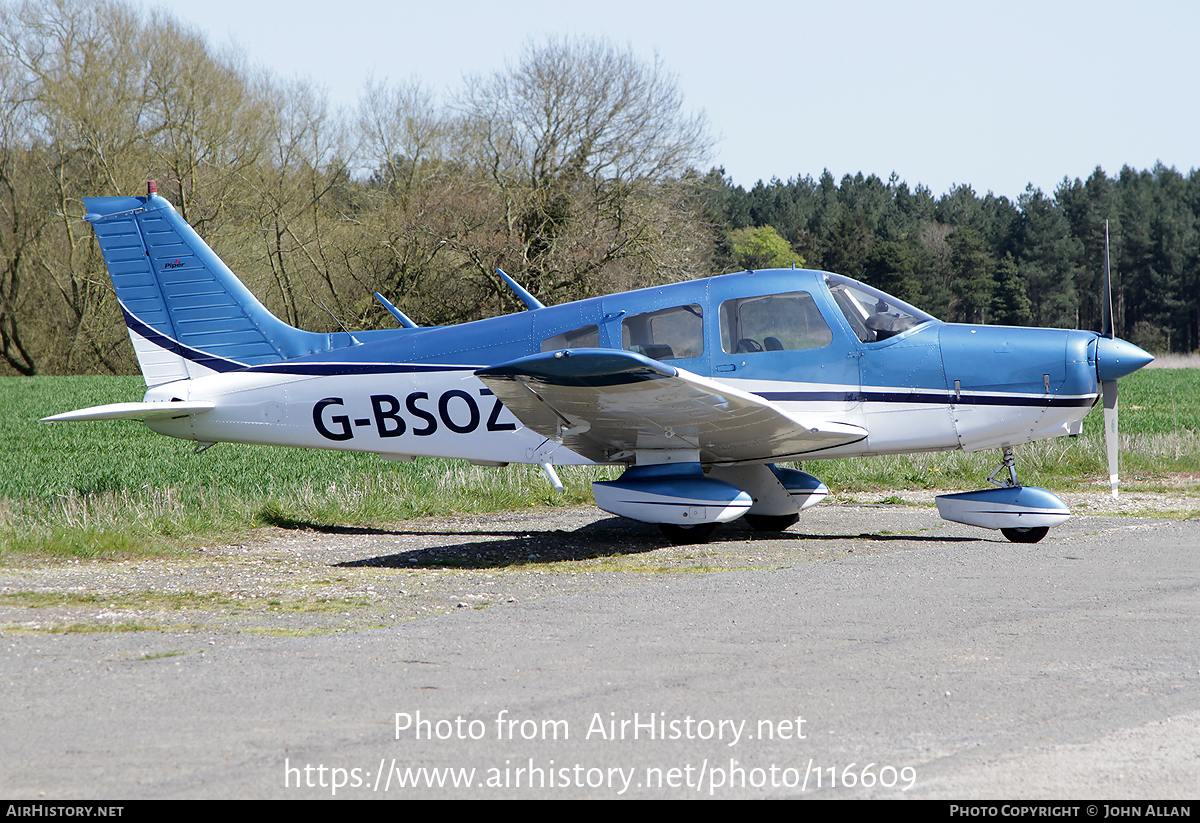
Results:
[605, 405]
[134, 411]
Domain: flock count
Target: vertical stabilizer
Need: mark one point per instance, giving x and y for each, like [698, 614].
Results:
[188, 314]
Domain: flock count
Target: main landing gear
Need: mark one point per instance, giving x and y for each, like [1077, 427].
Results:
[687, 535]
[770, 522]
[688, 502]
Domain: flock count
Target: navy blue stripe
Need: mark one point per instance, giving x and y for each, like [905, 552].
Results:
[938, 398]
[700, 501]
[332, 369]
[221, 364]
[1025, 510]
[203, 358]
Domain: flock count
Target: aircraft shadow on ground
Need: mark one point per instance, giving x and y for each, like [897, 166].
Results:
[610, 537]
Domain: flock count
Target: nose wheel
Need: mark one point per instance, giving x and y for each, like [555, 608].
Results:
[1025, 535]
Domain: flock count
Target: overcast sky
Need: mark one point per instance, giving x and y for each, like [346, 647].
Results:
[992, 94]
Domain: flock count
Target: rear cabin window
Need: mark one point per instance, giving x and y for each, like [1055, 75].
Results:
[587, 337]
[668, 334]
[776, 322]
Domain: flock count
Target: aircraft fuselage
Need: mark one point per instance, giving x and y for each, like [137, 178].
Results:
[932, 386]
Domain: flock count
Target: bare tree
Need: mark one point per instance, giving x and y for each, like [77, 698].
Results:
[209, 124]
[403, 135]
[298, 210]
[581, 107]
[584, 145]
[77, 75]
[569, 168]
[21, 227]
[97, 99]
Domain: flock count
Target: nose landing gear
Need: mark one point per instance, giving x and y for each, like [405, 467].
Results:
[1023, 514]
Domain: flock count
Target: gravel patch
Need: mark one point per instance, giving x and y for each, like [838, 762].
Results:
[300, 582]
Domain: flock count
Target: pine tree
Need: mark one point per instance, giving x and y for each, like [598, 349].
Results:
[974, 284]
[1011, 305]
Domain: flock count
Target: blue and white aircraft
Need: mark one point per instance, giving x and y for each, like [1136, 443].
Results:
[698, 389]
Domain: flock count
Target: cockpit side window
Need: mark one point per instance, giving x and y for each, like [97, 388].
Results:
[668, 334]
[586, 337]
[776, 322]
[872, 314]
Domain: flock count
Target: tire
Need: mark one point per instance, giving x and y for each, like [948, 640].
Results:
[1032, 535]
[686, 535]
[771, 522]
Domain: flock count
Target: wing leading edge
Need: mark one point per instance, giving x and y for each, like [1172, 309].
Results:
[606, 405]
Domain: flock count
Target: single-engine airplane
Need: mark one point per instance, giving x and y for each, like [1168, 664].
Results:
[698, 388]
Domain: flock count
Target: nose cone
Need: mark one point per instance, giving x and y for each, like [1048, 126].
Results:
[1116, 358]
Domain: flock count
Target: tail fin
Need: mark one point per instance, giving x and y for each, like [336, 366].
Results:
[188, 314]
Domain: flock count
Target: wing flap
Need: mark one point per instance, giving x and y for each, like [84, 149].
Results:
[606, 404]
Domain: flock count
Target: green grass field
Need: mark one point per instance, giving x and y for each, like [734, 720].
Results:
[115, 488]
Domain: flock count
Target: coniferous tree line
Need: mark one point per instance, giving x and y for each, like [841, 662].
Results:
[573, 168]
[965, 258]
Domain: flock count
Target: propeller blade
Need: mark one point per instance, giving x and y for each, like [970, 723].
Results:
[1108, 323]
[1110, 432]
[1115, 359]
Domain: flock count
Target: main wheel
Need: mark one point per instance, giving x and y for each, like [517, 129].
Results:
[1031, 535]
[771, 522]
[684, 535]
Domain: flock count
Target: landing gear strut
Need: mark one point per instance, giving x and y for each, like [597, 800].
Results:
[1015, 535]
[1007, 462]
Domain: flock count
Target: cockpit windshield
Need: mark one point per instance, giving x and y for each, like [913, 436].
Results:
[872, 314]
